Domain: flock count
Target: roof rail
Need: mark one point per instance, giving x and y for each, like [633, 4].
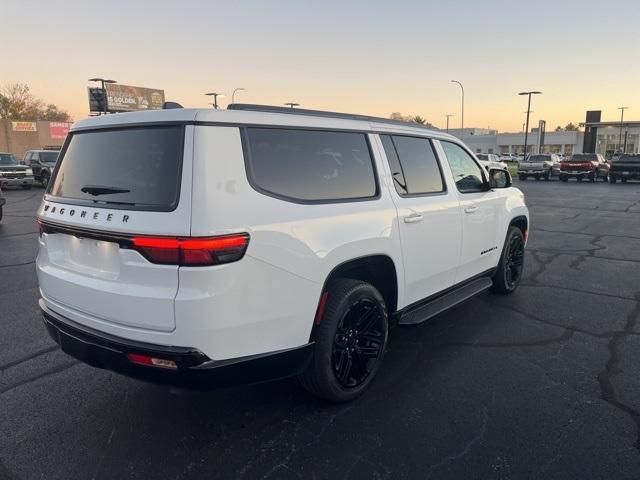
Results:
[321, 113]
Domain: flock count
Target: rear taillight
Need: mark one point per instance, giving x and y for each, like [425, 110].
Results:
[150, 361]
[192, 252]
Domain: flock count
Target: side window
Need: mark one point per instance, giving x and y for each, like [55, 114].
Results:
[35, 157]
[310, 165]
[466, 172]
[414, 165]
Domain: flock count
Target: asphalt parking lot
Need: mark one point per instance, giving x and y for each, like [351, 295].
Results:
[541, 384]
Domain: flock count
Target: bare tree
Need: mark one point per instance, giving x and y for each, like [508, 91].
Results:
[18, 103]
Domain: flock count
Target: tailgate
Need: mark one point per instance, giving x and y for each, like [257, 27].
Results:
[111, 186]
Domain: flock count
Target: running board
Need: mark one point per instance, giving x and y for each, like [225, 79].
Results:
[446, 301]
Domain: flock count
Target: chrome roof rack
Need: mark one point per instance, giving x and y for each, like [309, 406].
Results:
[321, 113]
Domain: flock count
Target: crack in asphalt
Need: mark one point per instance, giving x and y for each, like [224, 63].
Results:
[613, 367]
[44, 351]
[53, 371]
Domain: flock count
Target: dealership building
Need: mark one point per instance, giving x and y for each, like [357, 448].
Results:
[598, 137]
[19, 136]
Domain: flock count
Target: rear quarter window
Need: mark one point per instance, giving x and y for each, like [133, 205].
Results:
[134, 168]
[310, 166]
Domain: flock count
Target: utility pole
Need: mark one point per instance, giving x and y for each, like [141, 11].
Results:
[233, 95]
[526, 132]
[449, 115]
[622, 109]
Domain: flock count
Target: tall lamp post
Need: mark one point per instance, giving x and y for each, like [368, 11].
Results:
[461, 88]
[233, 95]
[292, 104]
[103, 81]
[215, 98]
[622, 109]
[449, 115]
[526, 132]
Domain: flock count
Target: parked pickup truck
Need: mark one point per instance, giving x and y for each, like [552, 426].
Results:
[539, 166]
[581, 166]
[12, 173]
[625, 167]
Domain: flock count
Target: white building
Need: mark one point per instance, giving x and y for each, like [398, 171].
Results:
[610, 137]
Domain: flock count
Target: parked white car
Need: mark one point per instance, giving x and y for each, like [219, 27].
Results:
[508, 158]
[207, 247]
[490, 160]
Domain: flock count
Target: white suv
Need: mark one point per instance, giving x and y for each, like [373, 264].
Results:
[210, 247]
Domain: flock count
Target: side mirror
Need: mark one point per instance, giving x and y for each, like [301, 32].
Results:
[499, 178]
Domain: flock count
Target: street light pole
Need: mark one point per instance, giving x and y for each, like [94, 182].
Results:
[622, 109]
[448, 115]
[462, 120]
[526, 132]
[233, 95]
[215, 98]
[292, 104]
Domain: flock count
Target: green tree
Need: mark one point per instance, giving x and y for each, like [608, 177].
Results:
[18, 103]
[570, 127]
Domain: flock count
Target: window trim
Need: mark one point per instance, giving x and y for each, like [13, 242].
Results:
[248, 167]
[473, 157]
[444, 191]
[89, 203]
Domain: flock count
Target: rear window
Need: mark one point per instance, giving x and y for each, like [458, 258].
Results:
[48, 157]
[580, 158]
[137, 168]
[309, 165]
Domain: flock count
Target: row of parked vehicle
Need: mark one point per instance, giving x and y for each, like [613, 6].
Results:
[581, 166]
[35, 167]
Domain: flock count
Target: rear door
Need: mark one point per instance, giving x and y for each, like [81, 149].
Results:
[428, 216]
[481, 210]
[109, 186]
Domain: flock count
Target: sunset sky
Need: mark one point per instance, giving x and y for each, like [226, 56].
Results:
[370, 57]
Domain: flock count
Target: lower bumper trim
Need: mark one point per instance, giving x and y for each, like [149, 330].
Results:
[195, 370]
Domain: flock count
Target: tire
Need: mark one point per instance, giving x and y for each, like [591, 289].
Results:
[548, 175]
[509, 272]
[44, 179]
[579, 179]
[592, 177]
[612, 179]
[564, 178]
[26, 187]
[336, 342]
[522, 177]
[623, 180]
[537, 177]
[604, 178]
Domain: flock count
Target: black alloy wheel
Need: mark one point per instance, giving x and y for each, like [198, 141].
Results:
[509, 272]
[350, 341]
[358, 342]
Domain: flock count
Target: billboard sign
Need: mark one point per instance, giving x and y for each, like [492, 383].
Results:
[59, 130]
[24, 126]
[126, 98]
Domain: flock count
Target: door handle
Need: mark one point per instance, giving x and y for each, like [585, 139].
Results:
[413, 218]
[471, 209]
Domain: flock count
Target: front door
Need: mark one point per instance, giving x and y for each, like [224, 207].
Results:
[481, 212]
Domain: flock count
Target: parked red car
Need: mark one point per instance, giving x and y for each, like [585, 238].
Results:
[591, 166]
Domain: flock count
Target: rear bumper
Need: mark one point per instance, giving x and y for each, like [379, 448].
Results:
[585, 173]
[194, 369]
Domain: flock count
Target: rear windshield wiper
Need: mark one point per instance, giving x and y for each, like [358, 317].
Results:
[96, 190]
